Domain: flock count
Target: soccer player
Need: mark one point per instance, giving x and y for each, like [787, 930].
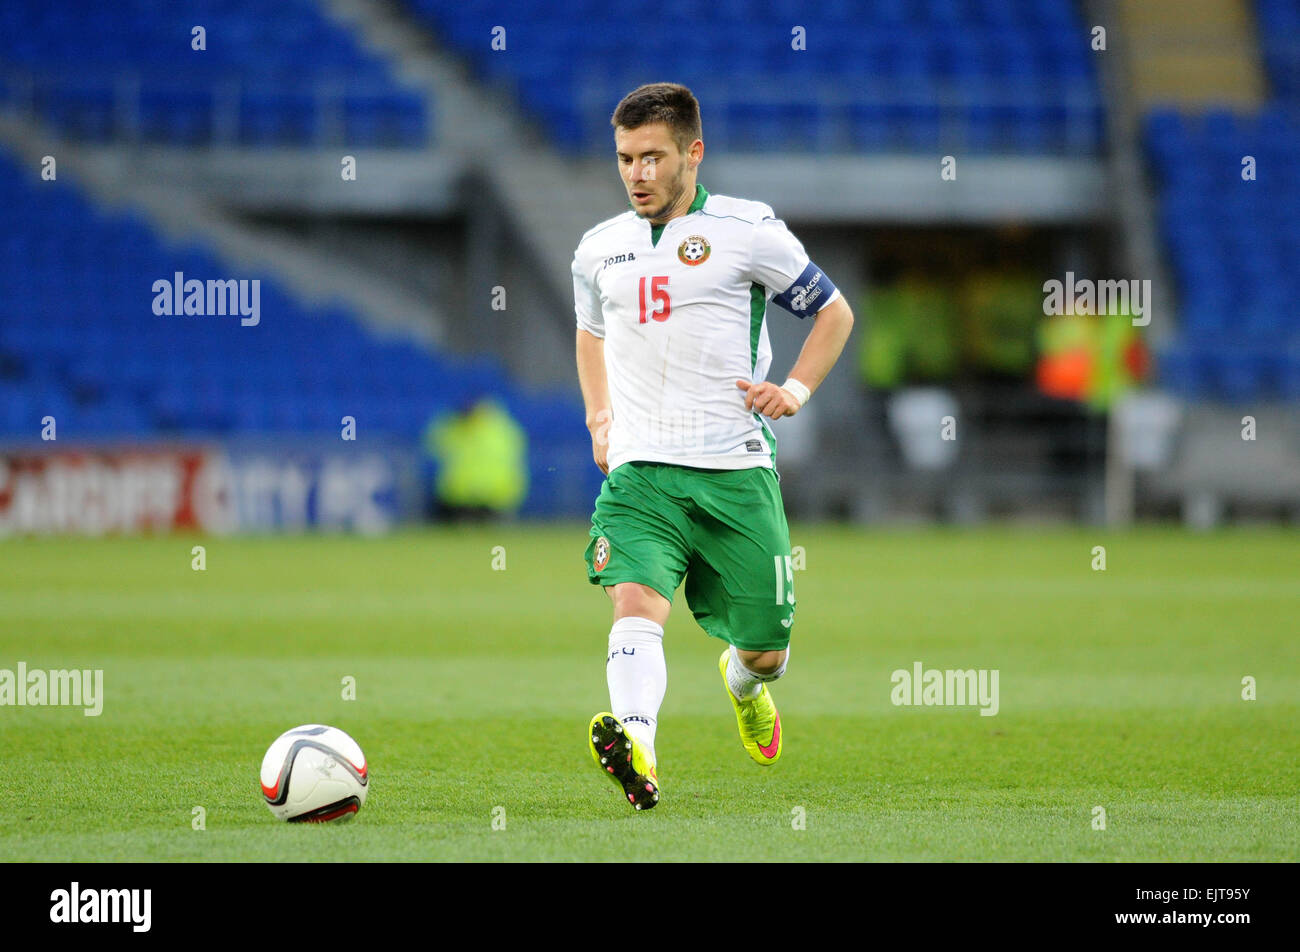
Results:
[673, 352]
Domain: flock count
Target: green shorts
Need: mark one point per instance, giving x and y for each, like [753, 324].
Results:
[724, 531]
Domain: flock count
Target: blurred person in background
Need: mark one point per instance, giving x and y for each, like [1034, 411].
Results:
[1090, 358]
[481, 459]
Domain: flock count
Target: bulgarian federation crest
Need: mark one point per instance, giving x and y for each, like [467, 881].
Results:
[600, 558]
[694, 250]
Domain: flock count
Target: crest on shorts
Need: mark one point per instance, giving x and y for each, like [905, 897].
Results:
[694, 250]
[601, 558]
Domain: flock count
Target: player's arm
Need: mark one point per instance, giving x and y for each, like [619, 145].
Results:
[595, 394]
[591, 360]
[778, 261]
[831, 328]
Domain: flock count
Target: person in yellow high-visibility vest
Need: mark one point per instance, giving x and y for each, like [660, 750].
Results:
[482, 457]
[1090, 358]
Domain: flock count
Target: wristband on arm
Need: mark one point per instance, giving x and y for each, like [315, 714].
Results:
[797, 390]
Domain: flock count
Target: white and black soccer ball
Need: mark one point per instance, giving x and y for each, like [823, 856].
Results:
[314, 774]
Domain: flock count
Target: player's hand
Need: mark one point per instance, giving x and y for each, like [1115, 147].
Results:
[768, 399]
[599, 429]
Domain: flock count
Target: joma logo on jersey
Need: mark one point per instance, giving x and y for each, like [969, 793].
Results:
[619, 259]
[694, 250]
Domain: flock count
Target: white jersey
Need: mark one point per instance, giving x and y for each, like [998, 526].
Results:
[683, 319]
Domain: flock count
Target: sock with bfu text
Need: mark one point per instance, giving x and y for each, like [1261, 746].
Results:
[637, 676]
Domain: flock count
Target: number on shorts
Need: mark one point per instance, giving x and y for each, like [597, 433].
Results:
[784, 580]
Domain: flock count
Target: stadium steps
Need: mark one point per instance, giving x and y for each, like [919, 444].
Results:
[111, 175]
[1193, 52]
[1133, 202]
[550, 199]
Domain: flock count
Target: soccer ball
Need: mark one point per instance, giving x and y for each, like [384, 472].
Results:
[314, 774]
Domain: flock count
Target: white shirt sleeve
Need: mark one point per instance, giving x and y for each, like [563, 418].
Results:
[586, 302]
[779, 263]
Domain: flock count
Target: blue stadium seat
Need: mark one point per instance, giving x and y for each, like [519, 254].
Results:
[128, 70]
[177, 117]
[91, 352]
[999, 76]
[1232, 243]
[278, 117]
[1289, 375]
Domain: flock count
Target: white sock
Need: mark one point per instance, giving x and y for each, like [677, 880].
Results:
[746, 684]
[637, 677]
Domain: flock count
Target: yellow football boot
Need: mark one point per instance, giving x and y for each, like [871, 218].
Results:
[623, 760]
[759, 723]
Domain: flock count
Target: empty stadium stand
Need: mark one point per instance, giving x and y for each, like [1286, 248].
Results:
[1231, 231]
[79, 341]
[268, 75]
[881, 75]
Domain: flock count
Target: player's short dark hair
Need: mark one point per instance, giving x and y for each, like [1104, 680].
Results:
[669, 103]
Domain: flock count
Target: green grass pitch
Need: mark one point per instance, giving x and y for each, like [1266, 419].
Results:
[1119, 689]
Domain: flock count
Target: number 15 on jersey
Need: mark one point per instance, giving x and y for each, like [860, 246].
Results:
[661, 307]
